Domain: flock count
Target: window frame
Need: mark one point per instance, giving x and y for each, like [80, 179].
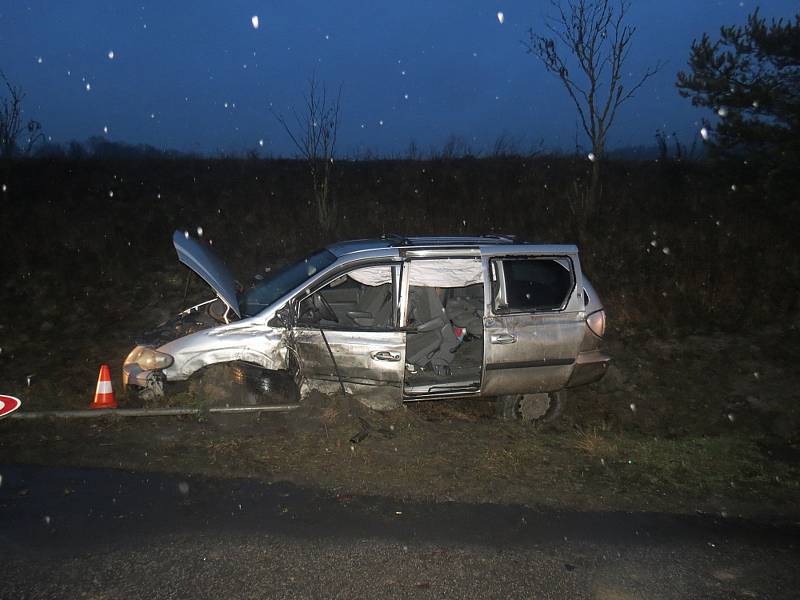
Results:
[497, 282]
[395, 267]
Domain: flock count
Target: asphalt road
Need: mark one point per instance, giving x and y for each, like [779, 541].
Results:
[112, 534]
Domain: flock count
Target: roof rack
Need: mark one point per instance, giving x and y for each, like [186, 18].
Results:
[501, 237]
[490, 238]
[398, 240]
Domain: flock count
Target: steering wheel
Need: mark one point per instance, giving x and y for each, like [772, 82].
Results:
[325, 311]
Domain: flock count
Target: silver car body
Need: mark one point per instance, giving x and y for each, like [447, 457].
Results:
[518, 352]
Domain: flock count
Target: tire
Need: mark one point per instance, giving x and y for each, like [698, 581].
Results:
[266, 386]
[531, 408]
[243, 384]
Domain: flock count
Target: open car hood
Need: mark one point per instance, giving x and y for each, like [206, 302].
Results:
[199, 258]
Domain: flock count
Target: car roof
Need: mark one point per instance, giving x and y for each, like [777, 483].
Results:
[397, 241]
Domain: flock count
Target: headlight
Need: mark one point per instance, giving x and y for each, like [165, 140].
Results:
[597, 322]
[149, 359]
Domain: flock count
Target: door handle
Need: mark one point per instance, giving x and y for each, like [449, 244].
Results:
[386, 355]
[502, 338]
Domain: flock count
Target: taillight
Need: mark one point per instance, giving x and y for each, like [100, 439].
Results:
[597, 322]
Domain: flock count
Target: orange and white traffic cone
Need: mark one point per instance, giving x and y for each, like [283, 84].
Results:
[104, 395]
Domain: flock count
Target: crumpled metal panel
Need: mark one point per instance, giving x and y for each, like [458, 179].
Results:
[370, 363]
[357, 355]
[247, 340]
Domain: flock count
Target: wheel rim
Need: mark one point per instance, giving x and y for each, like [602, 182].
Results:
[532, 407]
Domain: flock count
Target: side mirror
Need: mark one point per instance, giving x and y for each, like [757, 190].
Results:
[282, 318]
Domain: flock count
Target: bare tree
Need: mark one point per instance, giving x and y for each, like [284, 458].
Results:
[507, 145]
[314, 135]
[594, 33]
[12, 124]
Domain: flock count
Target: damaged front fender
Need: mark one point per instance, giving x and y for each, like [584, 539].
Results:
[149, 385]
[249, 340]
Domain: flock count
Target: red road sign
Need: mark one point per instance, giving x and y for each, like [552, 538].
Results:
[8, 404]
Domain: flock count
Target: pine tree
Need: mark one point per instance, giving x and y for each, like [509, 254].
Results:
[750, 78]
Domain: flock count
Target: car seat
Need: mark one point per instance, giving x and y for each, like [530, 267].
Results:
[374, 308]
[432, 339]
[465, 308]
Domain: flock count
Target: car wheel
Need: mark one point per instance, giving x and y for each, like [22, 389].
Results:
[531, 408]
[262, 385]
[242, 384]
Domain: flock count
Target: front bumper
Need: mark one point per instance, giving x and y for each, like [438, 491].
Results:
[133, 376]
[589, 367]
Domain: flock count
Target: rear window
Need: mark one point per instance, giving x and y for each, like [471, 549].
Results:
[533, 284]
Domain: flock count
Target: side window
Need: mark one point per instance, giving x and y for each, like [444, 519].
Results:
[531, 284]
[358, 299]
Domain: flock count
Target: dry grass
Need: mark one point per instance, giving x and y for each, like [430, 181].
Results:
[594, 441]
[502, 463]
[329, 415]
[498, 462]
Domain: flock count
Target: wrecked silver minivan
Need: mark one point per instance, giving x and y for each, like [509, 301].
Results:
[393, 320]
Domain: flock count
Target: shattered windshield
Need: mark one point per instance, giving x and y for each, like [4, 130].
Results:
[276, 283]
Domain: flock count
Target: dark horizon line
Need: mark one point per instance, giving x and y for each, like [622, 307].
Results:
[99, 148]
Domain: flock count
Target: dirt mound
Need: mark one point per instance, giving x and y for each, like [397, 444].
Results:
[237, 384]
[345, 415]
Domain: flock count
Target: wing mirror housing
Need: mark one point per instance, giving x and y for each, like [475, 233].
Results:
[284, 317]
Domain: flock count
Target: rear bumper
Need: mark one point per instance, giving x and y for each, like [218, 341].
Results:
[589, 367]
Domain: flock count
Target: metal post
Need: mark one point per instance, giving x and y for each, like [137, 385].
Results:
[149, 412]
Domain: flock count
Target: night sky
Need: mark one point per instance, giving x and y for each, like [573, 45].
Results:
[198, 76]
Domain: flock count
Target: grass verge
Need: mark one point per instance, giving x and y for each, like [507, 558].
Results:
[472, 461]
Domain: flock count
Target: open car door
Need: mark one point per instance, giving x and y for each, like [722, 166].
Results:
[444, 323]
[346, 335]
[534, 320]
